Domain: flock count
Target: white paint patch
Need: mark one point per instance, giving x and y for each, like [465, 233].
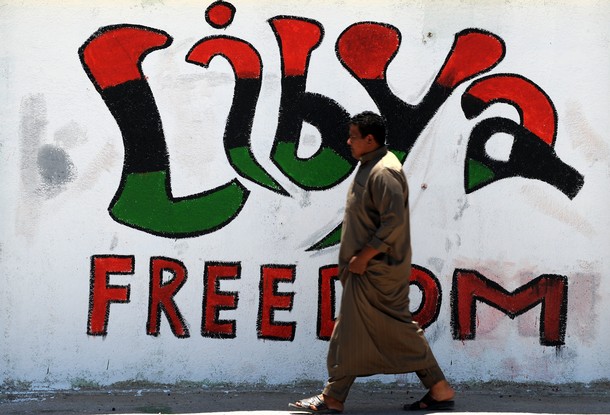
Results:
[499, 146]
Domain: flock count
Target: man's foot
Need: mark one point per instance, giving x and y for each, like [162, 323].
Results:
[428, 403]
[439, 398]
[319, 404]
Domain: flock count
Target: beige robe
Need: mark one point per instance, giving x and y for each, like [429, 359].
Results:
[374, 332]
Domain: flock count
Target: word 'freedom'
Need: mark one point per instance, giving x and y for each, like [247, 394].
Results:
[468, 287]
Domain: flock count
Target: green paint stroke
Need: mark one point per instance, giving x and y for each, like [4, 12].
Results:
[400, 155]
[321, 171]
[332, 239]
[144, 202]
[242, 160]
[478, 174]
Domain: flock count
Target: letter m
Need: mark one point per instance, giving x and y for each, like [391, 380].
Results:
[549, 290]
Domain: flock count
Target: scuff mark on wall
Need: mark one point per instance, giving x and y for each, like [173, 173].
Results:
[584, 138]
[555, 207]
[151, 3]
[70, 135]
[32, 128]
[104, 161]
[463, 205]
[584, 300]
[5, 70]
[46, 169]
[436, 263]
[449, 243]
[114, 242]
[435, 332]
[426, 37]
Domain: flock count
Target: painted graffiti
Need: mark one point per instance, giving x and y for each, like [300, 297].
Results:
[112, 57]
[271, 300]
[532, 154]
[551, 291]
[468, 287]
[215, 301]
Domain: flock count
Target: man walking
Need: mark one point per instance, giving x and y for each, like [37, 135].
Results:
[374, 332]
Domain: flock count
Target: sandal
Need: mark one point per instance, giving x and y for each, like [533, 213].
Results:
[431, 404]
[315, 405]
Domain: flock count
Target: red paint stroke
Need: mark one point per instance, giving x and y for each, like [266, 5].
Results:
[366, 49]
[242, 56]
[162, 296]
[326, 301]
[271, 300]
[215, 301]
[102, 293]
[297, 38]
[473, 52]
[548, 290]
[114, 55]
[534, 106]
[430, 286]
[220, 14]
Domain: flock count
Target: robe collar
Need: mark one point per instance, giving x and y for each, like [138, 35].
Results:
[375, 154]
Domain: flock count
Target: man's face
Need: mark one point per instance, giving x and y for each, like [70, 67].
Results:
[358, 144]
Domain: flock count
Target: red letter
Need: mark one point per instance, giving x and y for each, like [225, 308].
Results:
[271, 300]
[426, 314]
[102, 293]
[244, 59]
[162, 296]
[550, 290]
[113, 55]
[214, 300]
[326, 301]
[430, 287]
[536, 109]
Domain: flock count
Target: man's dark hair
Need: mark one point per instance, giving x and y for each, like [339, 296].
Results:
[370, 123]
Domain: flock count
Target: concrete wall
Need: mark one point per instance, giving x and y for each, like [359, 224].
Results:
[173, 174]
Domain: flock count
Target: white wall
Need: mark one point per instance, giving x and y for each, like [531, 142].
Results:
[62, 159]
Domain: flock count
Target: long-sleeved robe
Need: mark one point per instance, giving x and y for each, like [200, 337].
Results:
[374, 332]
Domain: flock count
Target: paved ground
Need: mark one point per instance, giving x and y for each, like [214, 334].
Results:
[365, 398]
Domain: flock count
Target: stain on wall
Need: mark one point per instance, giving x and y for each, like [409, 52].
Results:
[55, 167]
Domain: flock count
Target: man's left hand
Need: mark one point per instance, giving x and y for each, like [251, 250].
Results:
[359, 262]
[357, 265]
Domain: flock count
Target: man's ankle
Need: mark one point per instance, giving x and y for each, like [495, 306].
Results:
[332, 402]
[442, 391]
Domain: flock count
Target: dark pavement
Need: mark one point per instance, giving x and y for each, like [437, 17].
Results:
[365, 398]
